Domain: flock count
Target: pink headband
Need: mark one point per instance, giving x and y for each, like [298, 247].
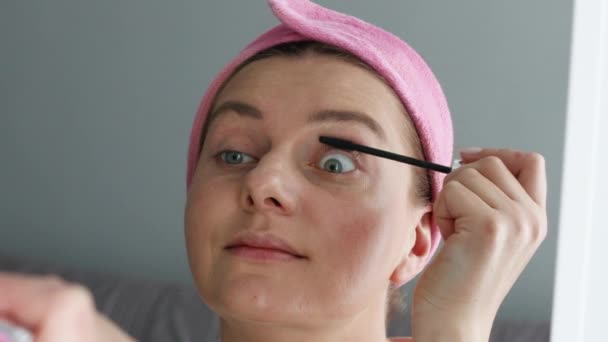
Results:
[405, 71]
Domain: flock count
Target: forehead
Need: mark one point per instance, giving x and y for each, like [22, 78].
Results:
[314, 74]
[306, 84]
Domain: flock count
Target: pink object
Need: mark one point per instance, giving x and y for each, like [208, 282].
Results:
[406, 72]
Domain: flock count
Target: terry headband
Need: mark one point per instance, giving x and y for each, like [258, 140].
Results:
[402, 67]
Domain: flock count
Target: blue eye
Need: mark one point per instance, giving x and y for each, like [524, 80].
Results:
[337, 163]
[235, 157]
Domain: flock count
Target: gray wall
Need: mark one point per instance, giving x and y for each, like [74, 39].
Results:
[97, 98]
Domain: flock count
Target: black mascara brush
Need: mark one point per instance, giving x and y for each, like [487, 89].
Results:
[348, 145]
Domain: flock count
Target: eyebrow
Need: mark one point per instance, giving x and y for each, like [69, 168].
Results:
[327, 115]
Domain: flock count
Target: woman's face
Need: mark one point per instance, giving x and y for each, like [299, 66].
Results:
[351, 218]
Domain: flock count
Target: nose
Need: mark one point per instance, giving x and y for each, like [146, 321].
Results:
[269, 188]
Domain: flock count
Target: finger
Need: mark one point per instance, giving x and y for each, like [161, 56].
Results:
[489, 192]
[22, 294]
[494, 169]
[447, 211]
[71, 316]
[51, 308]
[527, 167]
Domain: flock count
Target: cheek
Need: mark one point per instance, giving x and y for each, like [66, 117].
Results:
[364, 236]
[205, 223]
[209, 191]
[354, 239]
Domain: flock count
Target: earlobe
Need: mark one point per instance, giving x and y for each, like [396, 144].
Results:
[414, 261]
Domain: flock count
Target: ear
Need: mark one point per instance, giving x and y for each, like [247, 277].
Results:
[416, 257]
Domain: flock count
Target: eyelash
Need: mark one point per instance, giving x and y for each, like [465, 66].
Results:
[217, 157]
[354, 155]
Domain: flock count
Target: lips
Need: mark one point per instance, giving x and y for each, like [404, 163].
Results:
[267, 242]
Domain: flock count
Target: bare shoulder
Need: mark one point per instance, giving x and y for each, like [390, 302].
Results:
[400, 339]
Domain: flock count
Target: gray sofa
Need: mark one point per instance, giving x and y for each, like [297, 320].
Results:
[153, 311]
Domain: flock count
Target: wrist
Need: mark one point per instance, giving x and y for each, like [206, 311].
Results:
[440, 331]
[453, 327]
[434, 321]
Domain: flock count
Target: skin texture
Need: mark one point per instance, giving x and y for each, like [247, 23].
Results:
[492, 215]
[359, 230]
[358, 233]
[54, 310]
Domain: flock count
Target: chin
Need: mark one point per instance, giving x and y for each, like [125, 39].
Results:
[254, 300]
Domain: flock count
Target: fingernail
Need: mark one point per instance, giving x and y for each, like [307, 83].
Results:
[470, 150]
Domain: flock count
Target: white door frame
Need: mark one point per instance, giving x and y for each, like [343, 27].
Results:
[580, 303]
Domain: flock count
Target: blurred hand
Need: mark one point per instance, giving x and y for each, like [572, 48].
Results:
[54, 310]
[492, 215]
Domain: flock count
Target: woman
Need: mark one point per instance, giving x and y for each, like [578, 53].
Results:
[291, 239]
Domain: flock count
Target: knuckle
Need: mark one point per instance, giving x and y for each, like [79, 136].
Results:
[538, 236]
[53, 281]
[76, 296]
[452, 187]
[539, 227]
[518, 154]
[494, 228]
[536, 158]
[529, 226]
[521, 224]
[522, 231]
[492, 163]
[520, 216]
[469, 172]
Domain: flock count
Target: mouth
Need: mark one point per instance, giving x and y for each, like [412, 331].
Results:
[262, 254]
[263, 247]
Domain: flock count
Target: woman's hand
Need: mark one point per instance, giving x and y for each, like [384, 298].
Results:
[492, 215]
[54, 310]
